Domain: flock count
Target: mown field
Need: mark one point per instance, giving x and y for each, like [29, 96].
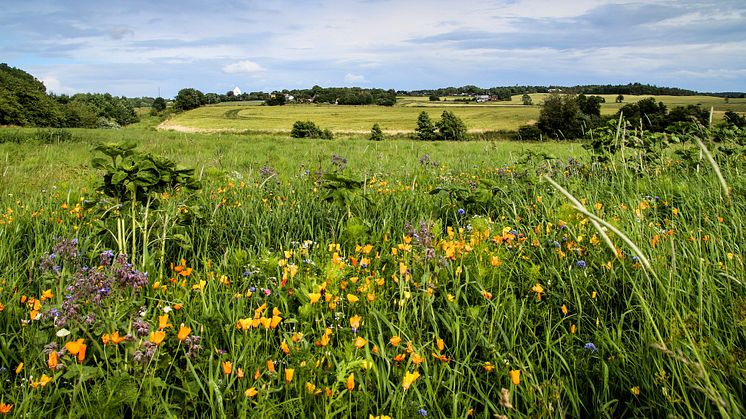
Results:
[402, 118]
[348, 278]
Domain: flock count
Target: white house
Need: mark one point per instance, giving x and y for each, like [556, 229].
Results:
[236, 91]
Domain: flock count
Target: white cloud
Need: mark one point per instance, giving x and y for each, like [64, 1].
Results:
[53, 85]
[354, 78]
[245, 66]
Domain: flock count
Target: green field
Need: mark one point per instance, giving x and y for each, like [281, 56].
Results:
[350, 278]
[399, 119]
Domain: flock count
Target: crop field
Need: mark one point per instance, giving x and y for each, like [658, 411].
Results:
[399, 119]
[351, 119]
[150, 273]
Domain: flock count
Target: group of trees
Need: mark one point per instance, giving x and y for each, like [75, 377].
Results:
[570, 117]
[505, 92]
[24, 102]
[449, 128]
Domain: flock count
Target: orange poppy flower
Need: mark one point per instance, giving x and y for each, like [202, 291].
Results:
[77, 348]
[351, 382]
[289, 375]
[227, 367]
[184, 331]
[515, 376]
[157, 337]
[53, 360]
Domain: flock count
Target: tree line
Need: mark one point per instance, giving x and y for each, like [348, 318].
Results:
[24, 102]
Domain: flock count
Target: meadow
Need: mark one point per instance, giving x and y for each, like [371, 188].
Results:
[401, 118]
[347, 278]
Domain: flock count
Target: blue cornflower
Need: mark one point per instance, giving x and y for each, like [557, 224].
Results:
[461, 211]
[590, 346]
[581, 264]
[635, 258]
[422, 412]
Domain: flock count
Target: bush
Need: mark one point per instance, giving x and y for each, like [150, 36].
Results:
[376, 134]
[309, 129]
[529, 133]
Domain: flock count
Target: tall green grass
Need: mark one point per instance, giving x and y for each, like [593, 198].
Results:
[665, 340]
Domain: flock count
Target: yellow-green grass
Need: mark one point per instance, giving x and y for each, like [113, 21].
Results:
[402, 118]
[355, 119]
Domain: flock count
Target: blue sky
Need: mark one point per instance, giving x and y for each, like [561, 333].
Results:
[136, 47]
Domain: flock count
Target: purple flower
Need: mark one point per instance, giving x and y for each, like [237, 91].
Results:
[581, 264]
[461, 211]
[590, 346]
[422, 412]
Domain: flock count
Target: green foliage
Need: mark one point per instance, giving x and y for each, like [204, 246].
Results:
[732, 118]
[434, 98]
[275, 99]
[526, 99]
[590, 105]
[451, 127]
[376, 134]
[645, 113]
[309, 129]
[529, 133]
[425, 130]
[188, 99]
[560, 117]
[129, 175]
[159, 105]
[24, 102]
[620, 98]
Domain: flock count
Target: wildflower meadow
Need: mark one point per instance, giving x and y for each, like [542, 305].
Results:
[147, 274]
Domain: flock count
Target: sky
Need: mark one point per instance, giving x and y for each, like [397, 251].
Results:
[146, 48]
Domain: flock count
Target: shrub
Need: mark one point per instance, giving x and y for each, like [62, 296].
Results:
[309, 129]
[529, 133]
[376, 134]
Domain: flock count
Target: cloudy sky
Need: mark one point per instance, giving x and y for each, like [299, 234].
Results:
[136, 47]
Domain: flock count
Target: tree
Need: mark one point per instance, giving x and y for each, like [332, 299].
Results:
[620, 99]
[159, 104]
[451, 127]
[188, 99]
[590, 105]
[434, 98]
[276, 99]
[560, 117]
[527, 100]
[425, 130]
[375, 133]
